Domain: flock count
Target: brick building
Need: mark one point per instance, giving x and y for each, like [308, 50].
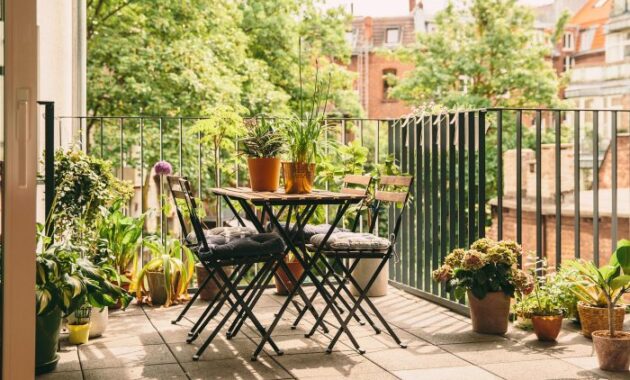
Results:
[368, 36]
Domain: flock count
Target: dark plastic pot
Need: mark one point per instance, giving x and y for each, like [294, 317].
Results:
[47, 341]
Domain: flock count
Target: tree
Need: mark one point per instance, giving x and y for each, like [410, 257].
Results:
[486, 54]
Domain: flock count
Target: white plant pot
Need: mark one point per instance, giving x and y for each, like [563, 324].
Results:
[98, 321]
[364, 271]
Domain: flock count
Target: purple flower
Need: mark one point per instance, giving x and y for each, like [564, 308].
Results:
[163, 168]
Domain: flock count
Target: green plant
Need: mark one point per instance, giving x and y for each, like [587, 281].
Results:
[84, 184]
[118, 238]
[611, 281]
[174, 260]
[262, 140]
[67, 280]
[488, 266]
[546, 299]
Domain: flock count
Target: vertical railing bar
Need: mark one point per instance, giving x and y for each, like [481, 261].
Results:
[326, 185]
[411, 163]
[83, 145]
[558, 183]
[401, 267]
[499, 174]
[435, 205]
[419, 206]
[181, 147]
[142, 200]
[426, 126]
[471, 177]
[461, 178]
[481, 120]
[199, 161]
[539, 226]
[576, 183]
[443, 196]
[101, 134]
[596, 187]
[452, 182]
[391, 138]
[519, 177]
[613, 149]
[161, 192]
[122, 151]
[60, 134]
[377, 140]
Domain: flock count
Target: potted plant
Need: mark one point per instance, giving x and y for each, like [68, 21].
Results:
[79, 328]
[613, 281]
[262, 145]
[485, 273]
[592, 305]
[545, 309]
[166, 276]
[283, 285]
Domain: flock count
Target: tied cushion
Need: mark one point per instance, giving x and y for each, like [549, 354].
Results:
[352, 241]
[255, 245]
[310, 230]
[221, 235]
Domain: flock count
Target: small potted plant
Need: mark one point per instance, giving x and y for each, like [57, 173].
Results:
[486, 273]
[546, 310]
[613, 281]
[262, 145]
[165, 278]
[79, 328]
[283, 285]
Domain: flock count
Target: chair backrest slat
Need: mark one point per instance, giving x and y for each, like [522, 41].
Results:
[181, 189]
[353, 179]
[390, 196]
[391, 180]
[347, 190]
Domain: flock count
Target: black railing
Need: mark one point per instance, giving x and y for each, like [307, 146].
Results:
[505, 173]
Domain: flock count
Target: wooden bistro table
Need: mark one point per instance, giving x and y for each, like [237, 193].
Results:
[302, 207]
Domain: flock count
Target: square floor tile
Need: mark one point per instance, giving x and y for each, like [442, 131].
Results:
[238, 368]
[453, 373]
[152, 372]
[99, 356]
[551, 369]
[495, 352]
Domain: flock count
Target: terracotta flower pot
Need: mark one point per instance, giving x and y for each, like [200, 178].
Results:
[613, 354]
[280, 278]
[596, 318]
[547, 327]
[264, 173]
[157, 287]
[298, 177]
[212, 287]
[490, 314]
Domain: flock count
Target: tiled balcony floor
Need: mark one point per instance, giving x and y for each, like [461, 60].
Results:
[141, 343]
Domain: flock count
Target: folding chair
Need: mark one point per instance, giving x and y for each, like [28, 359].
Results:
[213, 259]
[342, 250]
[352, 184]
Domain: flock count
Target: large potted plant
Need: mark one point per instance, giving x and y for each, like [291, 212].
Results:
[262, 145]
[485, 273]
[283, 285]
[592, 305]
[613, 281]
[165, 278]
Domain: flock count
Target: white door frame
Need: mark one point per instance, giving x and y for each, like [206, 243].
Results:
[19, 181]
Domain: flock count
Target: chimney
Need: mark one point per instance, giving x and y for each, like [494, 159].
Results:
[367, 31]
[412, 5]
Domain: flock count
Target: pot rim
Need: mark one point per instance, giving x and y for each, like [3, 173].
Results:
[602, 334]
[585, 305]
[263, 158]
[559, 315]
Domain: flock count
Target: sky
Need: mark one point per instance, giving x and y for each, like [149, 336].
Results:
[385, 8]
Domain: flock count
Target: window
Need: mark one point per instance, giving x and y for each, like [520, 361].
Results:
[351, 38]
[569, 62]
[392, 36]
[388, 83]
[587, 37]
[599, 3]
[568, 42]
[621, 7]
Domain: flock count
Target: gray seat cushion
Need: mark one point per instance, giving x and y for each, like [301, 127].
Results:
[310, 230]
[352, 241]
[222, 235]
[256, 245]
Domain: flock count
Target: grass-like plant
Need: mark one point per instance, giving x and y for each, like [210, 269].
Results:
[262, 140]
[175, 261]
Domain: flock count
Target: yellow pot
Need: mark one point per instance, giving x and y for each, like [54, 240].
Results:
[79, 334]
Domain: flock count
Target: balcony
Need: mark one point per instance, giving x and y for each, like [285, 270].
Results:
[142, 343]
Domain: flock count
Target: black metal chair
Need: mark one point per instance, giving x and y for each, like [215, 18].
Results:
[265, 249]
[392, 190]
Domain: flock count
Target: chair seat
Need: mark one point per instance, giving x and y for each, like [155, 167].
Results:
[259, 245]
[310, 230]
[352, 242]
[222, 235]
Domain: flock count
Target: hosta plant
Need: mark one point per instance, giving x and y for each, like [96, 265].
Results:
[486, 267]
[171, 259]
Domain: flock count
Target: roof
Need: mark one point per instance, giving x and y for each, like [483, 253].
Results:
[594, 14]
[371, 30]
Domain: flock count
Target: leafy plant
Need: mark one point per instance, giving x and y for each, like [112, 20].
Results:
[119, 238]
[175, 261]
[546, 299]
[611, 281]
[262, 140]
[488, 266]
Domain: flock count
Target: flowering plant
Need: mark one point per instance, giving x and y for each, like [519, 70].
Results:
[488, 266]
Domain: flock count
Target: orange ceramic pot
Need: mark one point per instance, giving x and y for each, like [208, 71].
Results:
[264, 173]
[547, 327]
[298, 177]
[281, 279]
